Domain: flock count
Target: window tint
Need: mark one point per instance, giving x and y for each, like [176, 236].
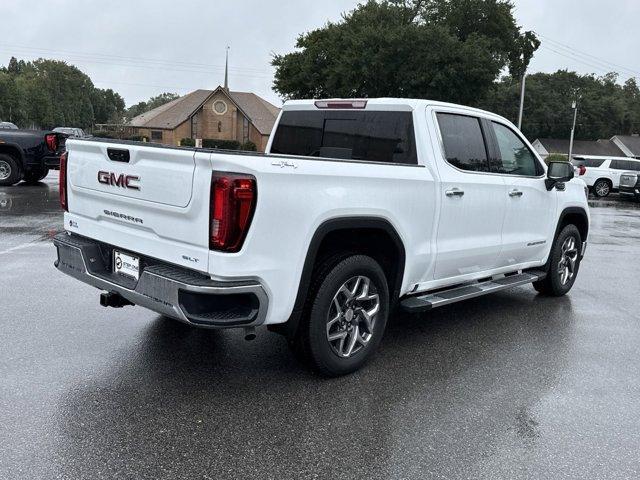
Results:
[516, 158]
[463, 142]
[620, 165]
[588, 162]
[634, 166]
[365, 135]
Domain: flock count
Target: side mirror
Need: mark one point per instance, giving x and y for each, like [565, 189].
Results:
[558, 172]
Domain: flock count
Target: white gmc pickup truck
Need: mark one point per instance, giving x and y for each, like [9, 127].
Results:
[357, 206]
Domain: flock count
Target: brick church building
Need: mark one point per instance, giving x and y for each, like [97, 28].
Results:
[219, 114]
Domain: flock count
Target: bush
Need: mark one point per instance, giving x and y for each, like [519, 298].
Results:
[137, 138]
[220, 144]
[556, 157]
[100, 134]
[188, 142]
[249, 146]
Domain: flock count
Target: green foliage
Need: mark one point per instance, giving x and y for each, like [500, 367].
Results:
[220, 144]
[153, 102]
[51, 93]
[249, 146]
[108, 106]
[187, 142]
[605, 108]
[449, 50]
[102, 134]
[556, 157]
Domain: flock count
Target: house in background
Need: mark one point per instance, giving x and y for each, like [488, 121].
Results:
[218, 114]
[594, 148]
[629, 144]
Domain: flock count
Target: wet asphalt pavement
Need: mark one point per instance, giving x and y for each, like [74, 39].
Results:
[507, 386]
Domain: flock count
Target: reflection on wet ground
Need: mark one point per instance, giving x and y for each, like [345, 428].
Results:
[509, 386]
[29, 212]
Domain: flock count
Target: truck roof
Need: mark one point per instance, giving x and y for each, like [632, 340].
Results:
[394, 104]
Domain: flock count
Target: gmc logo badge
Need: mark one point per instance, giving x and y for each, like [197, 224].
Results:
[122, 180]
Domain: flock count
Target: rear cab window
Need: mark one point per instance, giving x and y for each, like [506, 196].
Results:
[463, 142]
[366, 135]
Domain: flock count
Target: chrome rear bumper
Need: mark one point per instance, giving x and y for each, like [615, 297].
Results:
[166, 289]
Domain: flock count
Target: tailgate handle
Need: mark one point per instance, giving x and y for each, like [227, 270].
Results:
[118, 155]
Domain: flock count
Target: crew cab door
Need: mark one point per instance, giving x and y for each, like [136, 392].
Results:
[528, 223]
[473, 201]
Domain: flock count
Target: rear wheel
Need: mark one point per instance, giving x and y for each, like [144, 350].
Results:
[36, 174]
[10, 172]
[602, 188]
[345, 317]
[564, 263]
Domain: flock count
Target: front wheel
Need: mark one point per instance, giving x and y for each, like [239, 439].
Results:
[564, 263]
[346, 316]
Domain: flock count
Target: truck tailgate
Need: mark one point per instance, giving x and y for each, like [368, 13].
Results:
[142, 198]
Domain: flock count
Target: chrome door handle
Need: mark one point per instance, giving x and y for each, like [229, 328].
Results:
[515, 193]
[454, 192]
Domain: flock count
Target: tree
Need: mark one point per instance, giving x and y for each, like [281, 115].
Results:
[108, 106]
[153, 102]
[440, 49]
[50, 93]
[605, 108]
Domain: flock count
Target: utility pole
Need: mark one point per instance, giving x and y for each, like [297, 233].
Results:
[522, 87]
[574, 105]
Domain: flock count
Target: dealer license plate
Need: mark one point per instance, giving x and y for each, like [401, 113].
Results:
[126, 264]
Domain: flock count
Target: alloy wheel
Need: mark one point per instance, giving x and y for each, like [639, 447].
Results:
[568, 260]
[602, 189]
[352, 316]
[5, 170]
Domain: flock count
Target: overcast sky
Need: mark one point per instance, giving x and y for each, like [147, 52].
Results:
[141, 48]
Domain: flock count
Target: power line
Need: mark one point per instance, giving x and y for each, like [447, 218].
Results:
[599, 68]
[157, 67]
[135, 60]
[575, 51]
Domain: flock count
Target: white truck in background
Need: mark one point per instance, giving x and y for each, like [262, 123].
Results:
[356, 207]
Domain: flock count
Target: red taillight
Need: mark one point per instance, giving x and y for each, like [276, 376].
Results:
[63, 181]
[51, 139]
[582, 169]
[342, 104]
[233, 200]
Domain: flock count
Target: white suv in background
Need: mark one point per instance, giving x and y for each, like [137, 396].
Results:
[602, 176]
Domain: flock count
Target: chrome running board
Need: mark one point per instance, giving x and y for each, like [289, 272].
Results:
[429, 300]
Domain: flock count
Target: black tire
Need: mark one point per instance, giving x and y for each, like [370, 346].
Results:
[553, 284]
[35, 175]
[312, 339]
[10, 172]
[602, 188]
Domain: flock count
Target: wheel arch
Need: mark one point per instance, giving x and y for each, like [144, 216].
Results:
[606, 179]
[576, 216]
[323, 243]
[13, 150]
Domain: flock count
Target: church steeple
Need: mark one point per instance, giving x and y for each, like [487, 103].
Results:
[226, 71]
